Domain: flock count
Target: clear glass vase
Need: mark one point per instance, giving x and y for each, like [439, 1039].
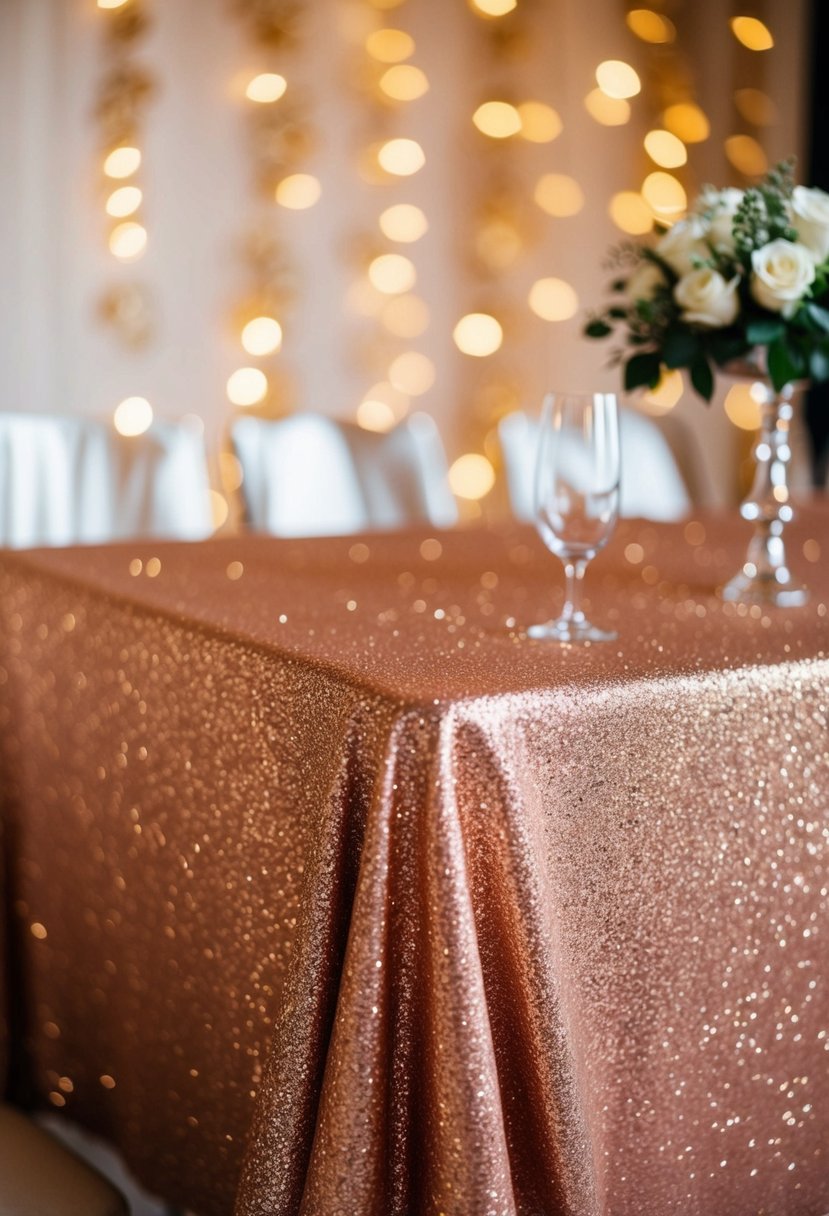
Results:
[765, 577]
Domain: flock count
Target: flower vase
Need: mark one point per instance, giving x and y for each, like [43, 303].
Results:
[765, 578]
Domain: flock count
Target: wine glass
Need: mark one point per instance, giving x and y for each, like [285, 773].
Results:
[576, 497]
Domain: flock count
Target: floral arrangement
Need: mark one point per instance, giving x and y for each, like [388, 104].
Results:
[745, 271]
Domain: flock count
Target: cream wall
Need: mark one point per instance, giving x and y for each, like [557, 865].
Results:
[57, 355]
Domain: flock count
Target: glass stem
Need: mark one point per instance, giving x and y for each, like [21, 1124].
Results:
[574, 574]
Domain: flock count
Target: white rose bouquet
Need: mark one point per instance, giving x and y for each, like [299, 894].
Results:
[746, 269]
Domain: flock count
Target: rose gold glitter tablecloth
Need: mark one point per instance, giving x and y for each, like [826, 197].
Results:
[332, 894]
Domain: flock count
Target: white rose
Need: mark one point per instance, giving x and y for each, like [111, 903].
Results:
[783, 270]
[707, 299]
[810, 220]
[711, 199]
[644, 281]
[682, 242]
[724, 208]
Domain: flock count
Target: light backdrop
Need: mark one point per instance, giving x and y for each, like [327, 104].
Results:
[81, 330]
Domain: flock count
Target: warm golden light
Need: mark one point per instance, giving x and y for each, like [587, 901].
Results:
[128, 241]
[382, 407]
[650, 26]
[553, 300]
[752, 33]
[609, 111]
[122, 162]
[133, 416]
[665, 149]
[746, 155]
[392, 273]
[247, 386]
[298, 191]
[618, 79]
[540, 123]
[497, 119]
[558, 194]
[493, 8]
[219, 509]
[663, 398]
[743, 404]
[664, 194]
[401, 157]
[266, 87]
[756, 107]
[262, 336]
[403, 222]
[375, 415]
[390, 46]
[123, 201]
[478, 334]
[405, 316]
[412, 373]
[111, 3]
[471, 476]
[397, 401]
[230, 471]
[498, 243]
[404, 83]
[631, 213]
[687, 121]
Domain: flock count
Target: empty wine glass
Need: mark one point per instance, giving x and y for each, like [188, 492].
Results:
[576, 497]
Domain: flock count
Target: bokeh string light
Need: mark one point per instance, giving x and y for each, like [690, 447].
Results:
[280, 139]
[124, 92]
[382, 299]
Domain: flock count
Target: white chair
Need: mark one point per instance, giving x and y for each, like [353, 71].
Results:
[309, 475]
[651, 484]
[69, 480]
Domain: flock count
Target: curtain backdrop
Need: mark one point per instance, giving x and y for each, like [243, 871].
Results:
[200, 203]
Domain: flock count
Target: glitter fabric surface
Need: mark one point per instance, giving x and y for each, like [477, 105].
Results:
[331, 894]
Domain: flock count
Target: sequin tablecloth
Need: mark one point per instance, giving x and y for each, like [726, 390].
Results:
[333, 894]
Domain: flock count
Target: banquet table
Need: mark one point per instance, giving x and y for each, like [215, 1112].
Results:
[330, 892]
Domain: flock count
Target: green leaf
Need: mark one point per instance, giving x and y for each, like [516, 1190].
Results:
[723, 347]
[597, 329]
[784, 363]
[642, 370]
[819, 363]
[650, 255]
[679, 348]
[819, 315]
[702, 377]
[763, 330]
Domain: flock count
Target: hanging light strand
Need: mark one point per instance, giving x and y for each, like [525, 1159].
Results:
[124, 93]
[383, 294]
[281, 138]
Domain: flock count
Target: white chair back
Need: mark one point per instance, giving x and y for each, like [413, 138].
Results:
[67, 480]
[309, 475]
[651, 485]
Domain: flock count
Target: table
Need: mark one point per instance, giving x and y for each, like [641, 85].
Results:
[332, 893]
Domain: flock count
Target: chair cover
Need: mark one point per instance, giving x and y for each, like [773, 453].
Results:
[651, 484]
[309, 475]
[67, 480]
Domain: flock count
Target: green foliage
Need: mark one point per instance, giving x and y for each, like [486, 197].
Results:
[653, 326]
[642, 371]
